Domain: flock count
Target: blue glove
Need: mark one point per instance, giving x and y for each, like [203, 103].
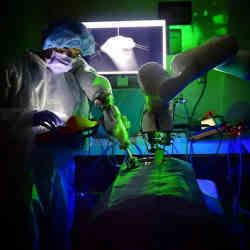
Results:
[46, 119]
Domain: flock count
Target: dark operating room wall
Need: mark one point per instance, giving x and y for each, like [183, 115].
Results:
[22, 22]
[235, 89]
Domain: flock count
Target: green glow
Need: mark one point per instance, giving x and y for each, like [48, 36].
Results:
[176, 185]
[164, 182]
[159, 157]
[124, 179]
[195, 13]
[109, 100]
[34, 193]
[102, 82]
[187, 34]
[205, 13]
[220, 19]
[190, 34]
[149, 100]
[161, 181]
[120, 130]
[169, 60]
[221, 31]
[197, 35]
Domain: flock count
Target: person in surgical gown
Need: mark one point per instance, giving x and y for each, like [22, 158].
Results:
[46, 88]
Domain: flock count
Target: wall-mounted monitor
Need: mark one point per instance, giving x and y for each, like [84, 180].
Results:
[123, 46]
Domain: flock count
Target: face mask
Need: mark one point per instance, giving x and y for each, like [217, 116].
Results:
[59, 63]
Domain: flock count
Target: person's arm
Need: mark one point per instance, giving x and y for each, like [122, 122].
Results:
[16, 134]
[99, 91]
[14, 115]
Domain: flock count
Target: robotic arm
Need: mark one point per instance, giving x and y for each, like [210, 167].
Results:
[99, 91]
[159, 88]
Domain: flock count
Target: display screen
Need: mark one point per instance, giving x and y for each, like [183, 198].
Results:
[122, 47]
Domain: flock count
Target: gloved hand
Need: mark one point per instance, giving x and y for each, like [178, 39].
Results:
[47, 119]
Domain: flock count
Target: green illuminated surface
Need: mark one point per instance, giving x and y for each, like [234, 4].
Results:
[34, 193]
[102, 82]
[208, 22]
[109, 99]
[151, 99]
[220, 19]
[195, 13]
[221, 31]
[120, 129]
[161, 184]
[205, 13]
[167, 178]
[187, 35]
[159, 157]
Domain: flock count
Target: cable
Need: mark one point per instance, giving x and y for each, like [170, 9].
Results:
[191, 152]
[89, 142]
[198, 101]
[137, 148]
[187, 136]
[219, 144]
[221, 136]
[91, 105]
[186, 150]
[183, 101]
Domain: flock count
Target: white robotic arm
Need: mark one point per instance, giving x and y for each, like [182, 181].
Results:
[159, 89]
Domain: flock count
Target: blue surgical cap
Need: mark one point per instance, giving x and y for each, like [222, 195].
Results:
[69, 34]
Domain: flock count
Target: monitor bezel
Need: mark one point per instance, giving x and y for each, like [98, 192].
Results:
[133, 23]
